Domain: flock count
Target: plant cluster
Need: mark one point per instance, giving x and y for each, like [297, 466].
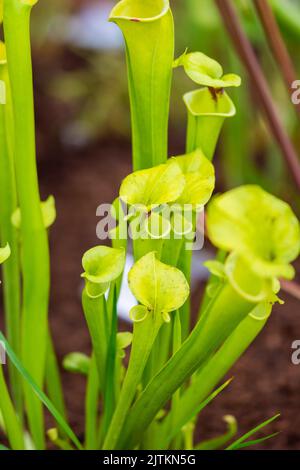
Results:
[152, 402]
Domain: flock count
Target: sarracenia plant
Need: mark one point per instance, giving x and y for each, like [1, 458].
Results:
[149, 37]
[152, 399]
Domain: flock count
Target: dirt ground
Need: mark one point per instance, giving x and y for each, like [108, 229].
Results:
[265, 381]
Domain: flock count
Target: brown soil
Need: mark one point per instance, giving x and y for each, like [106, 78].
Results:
[265, 379]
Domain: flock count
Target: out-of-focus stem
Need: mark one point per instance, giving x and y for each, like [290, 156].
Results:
[144, 335]
[277, 45]
[8, 199]
[35, 251]
[260, 85]
[223, 316]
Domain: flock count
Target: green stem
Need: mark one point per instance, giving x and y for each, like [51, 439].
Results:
[35, 252]
[225, 313]
[288, 16]
[149, 37]
[144, 335]
[12, 423]
[11, 269]
[110, 368]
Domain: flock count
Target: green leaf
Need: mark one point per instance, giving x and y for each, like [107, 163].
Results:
[103, 264]
[247, 283]
[40, 394]
[159, 287]
[3, 60]
[4, 253]
[255, 441]
[175, 429]
[236, 444]
[220, 441]
[149, 38]
[200, 62]
[77, 363]
[259, 228]
[206, 71]
[155, 186]
[138, 313]
[135, 10]
[2, 447]
[48, 213]
[199, 176]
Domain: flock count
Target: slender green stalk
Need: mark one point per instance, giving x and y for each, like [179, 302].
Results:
[144, 336]
[11, 269]
[212, 372]
[225, 313]
[177, 339]
[11, 420]
[53, 382]
[110, 367]
[206, 115]
[220, 441]
[95, 315]
[35, 255]
[148, 32]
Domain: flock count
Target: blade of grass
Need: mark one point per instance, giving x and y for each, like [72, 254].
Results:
[250, 433]
[40, 394]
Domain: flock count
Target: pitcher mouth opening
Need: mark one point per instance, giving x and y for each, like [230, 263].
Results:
[136, 10]
[202, 103]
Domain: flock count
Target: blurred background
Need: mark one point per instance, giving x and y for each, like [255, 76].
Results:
[83, 140]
